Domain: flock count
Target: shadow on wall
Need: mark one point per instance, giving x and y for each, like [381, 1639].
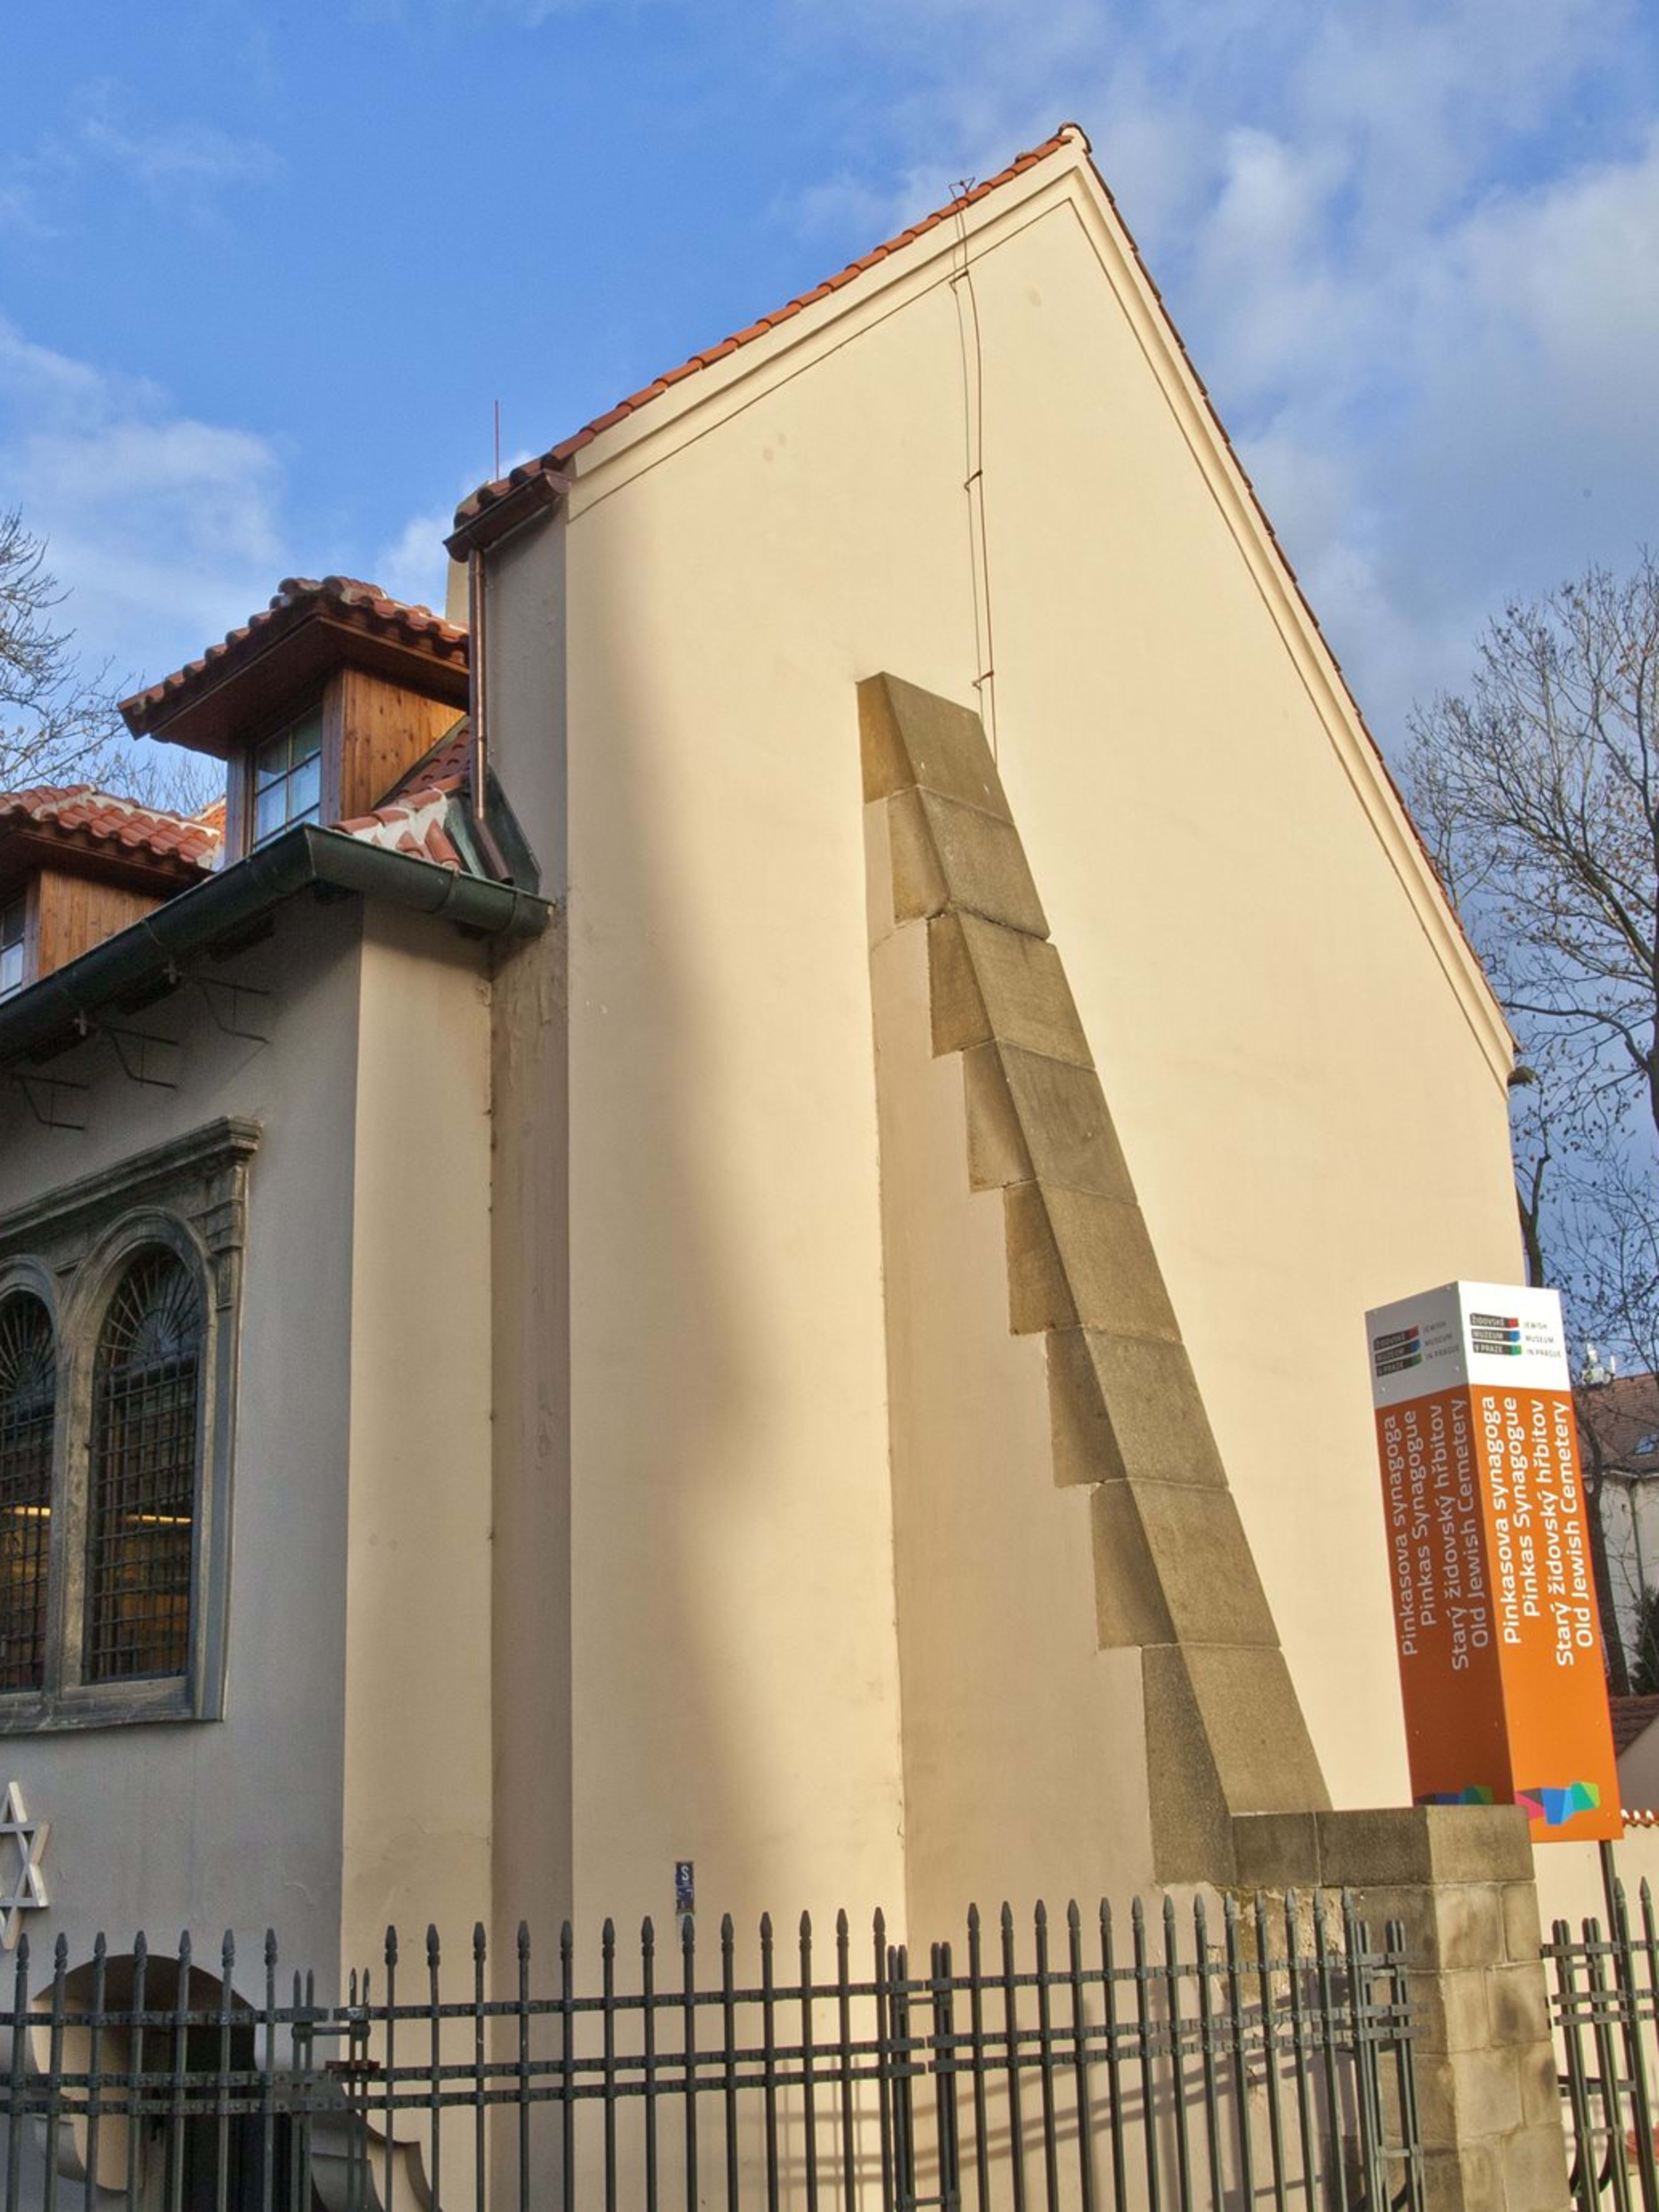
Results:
[670, 1393]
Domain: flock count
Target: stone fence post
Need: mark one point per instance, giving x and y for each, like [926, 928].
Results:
[1460, 1879]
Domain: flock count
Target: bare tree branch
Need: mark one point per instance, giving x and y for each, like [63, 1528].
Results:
[58, 725]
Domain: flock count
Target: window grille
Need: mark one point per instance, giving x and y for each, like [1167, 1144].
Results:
[142, 1503]
[288, 772]
[14, 937]
[27, 1390]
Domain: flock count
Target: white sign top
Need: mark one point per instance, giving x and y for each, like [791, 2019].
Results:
[1490, 1334]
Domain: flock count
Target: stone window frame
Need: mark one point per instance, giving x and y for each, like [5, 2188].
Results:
[70, 1248]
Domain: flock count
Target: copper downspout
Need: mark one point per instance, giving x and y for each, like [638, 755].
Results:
[544, 490]
[478, 684]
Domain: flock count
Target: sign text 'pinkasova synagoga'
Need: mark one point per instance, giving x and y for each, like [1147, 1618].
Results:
[1489, 1558]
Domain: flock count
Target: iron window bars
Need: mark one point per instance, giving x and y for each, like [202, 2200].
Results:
[141, 1484]
[28, 1384]
[14, 944]
[138, 1266]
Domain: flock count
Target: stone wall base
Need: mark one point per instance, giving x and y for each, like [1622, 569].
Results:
[1459, 1879]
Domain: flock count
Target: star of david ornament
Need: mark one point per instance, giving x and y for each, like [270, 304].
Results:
[22, 1886]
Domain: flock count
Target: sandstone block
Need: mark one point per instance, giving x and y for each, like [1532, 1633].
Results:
[1127, 1408]
[1030, 1115]
[1534, 2170]
[945, 854]
[1518, 1998]
[988, 982]
[1129, 1599]
[910, 738]
[1523, 1933]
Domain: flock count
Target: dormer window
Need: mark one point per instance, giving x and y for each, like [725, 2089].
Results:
[14, 933]
[288, 777]
[318, 705]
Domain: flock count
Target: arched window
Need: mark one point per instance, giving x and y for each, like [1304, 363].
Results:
[29, 1379]
[141, 1503]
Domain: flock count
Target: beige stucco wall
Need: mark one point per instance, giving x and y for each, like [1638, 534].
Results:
[417, 1816]
[349, 1780]
[236, 1822]
[1306, 1077]
[1630, 1532]
[1024, 1750]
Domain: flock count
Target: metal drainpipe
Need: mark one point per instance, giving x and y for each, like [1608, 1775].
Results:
[478, 664]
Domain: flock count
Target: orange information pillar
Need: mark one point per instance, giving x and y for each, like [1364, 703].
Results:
[1494, 1599]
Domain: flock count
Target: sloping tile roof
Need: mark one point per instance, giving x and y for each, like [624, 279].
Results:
[417, 825]
[1630, 1716]
[90, 820]
[1622, 1417]
[448, 767]
[491, 495]
[414, 816]
[345, 598]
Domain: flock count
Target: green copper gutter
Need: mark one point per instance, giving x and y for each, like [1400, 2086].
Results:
[50, 1015]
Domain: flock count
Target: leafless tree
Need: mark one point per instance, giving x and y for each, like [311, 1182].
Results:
[58, 723]
[1538, 789]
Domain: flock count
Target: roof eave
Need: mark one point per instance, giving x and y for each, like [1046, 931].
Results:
[476, 531]
[60, 1010]
[204, 713]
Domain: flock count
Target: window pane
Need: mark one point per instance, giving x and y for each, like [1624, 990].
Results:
[271, 762]
[28, 1377]
[11, 969]
[11, 923]
[270, 811]
[305, 788]
[141, 1505]
[306, 738]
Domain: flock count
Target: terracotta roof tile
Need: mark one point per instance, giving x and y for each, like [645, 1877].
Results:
[1630, 1716]
[491, 494]
[417, 824]
[446, 768]
[363, 605]
[81, 815]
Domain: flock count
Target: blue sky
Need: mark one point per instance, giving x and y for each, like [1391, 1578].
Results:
[265, 271]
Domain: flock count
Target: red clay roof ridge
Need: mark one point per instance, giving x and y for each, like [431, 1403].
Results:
[491, 495]
[82, 814]
[417, 626]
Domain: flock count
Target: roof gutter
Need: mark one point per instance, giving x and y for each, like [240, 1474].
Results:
[54, 1013]
[528, 501]
[540, 487]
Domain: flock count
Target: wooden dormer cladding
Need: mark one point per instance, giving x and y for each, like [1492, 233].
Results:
[388, 680]
[71, 912]
[375, 734]
[78, 865]
[374, 731]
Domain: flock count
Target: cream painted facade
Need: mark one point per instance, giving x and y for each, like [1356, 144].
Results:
[348, 1779]
[635, 1460]
[1306, 1070]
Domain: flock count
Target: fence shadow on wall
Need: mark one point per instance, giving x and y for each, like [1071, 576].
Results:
[1169, 2060]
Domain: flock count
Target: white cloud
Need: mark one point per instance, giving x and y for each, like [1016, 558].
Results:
[1415, 249]
[20, 211]
[169, 529]
[191, 155]
[414, 566]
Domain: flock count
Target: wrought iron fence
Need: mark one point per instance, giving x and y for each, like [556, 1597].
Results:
[1174, 2063]
[1605, 2003]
